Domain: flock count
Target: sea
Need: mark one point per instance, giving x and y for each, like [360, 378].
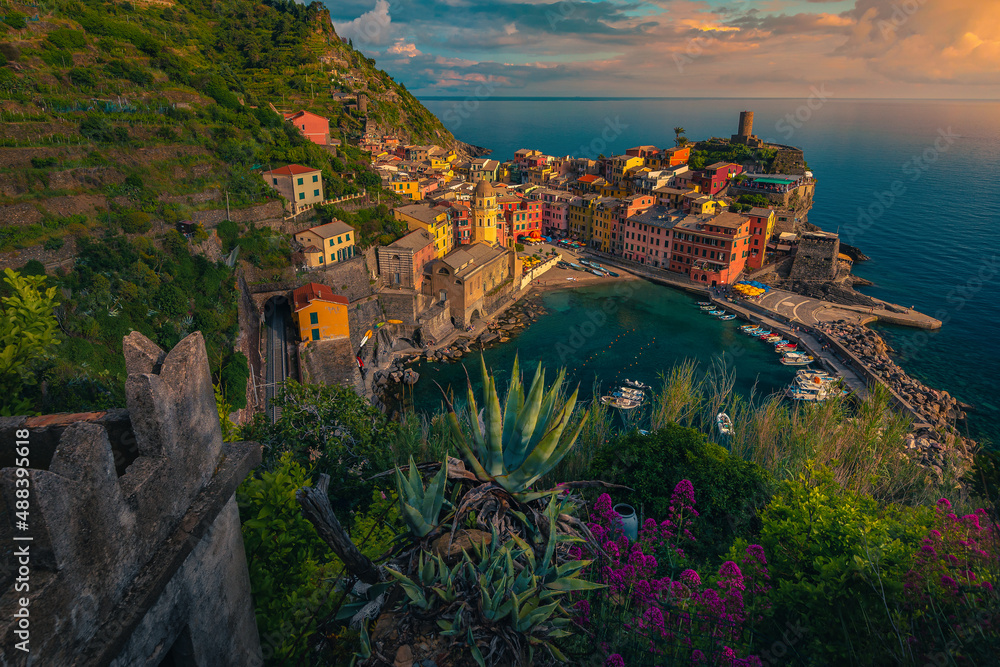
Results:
[915, 184]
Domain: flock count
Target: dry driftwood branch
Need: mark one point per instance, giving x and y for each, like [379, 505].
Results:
[316, 507]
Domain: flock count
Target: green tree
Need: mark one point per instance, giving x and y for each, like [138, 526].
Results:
[28, 333]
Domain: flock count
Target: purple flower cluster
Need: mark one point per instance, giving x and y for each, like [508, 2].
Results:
[671, 611]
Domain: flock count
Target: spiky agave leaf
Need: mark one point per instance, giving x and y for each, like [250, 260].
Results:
[421, 507]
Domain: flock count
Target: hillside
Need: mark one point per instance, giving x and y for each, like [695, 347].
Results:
[131, 116]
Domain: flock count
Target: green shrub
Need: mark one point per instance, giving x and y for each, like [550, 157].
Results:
[235, 375]
[16, 20]
[730, 490]
[519, 247]
[135, 222]
[64, 38]
[54, 243]
[43, 162]
[81, 76]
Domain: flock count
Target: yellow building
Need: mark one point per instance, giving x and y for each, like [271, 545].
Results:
[619, 165]
[319, 313]
[484, 213]
[433, 220]
[327, 244]
[580, 216]
[301, 186]
[407, 188]
[705, 205]
[605, 222]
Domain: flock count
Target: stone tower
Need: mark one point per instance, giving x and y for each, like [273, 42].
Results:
[746, 124]
[484, 213]
[135, 555]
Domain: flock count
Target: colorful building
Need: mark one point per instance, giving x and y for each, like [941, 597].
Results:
[485, 214]
[619, 165]
[581, 216]
[401, 263]
[301, 186]
[646, 235]
[710, 250]
[319, 313]
[761, 228]
[313, 127]
[432, 219]
[327, 244]
[714, 178]
[605, 224]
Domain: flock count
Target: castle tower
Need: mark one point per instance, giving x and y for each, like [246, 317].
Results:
[484, 213]
[746, 124]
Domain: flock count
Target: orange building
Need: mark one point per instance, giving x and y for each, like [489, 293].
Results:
[761, 227]
[313, 127]
[320, 314]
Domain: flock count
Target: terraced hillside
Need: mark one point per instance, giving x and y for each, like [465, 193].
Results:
[131, 116]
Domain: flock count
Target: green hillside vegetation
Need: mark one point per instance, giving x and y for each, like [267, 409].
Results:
[127, 117]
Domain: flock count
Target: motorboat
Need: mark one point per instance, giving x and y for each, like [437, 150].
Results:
[782, 341]
[763, 334]
[726, 318]
[809, 374]
[717, 313]
[636, 384]
[796, 361]
[810, 396]
[724, 423]
[709, 307]
[620, 402]
[786, 347]
[704, 303]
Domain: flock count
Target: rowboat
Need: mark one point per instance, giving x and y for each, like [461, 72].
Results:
[787, 347]
[717, 313]
[704, 303]
[394, 321]
[726, 318]
[762, 334]
[709, 307]
[796, 361]
[724, 423]
[612, 274]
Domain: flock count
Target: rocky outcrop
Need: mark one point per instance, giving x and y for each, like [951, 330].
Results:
[934, 445]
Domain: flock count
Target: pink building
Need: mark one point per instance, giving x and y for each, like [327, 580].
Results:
[646, 236]
[555, 210]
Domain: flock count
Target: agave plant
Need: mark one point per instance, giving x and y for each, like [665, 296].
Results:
[418, 506]
[517, 444]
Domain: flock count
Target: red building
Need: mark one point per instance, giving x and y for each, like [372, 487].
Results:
[715, 177]
[521, 216]
[710, 250]
[761, 228]
[646, 235]
[314, 128]
[461, 216]
[675, 156]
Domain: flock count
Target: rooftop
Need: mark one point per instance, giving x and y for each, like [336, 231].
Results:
[421, 212]
[728, 220]
[415, 240]
[291, 170]
[759, 212]
[310, 292]
[330, 229]
[657, 216]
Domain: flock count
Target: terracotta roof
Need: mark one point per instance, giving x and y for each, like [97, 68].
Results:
[291, 170]
[587, 178]
[310, 292]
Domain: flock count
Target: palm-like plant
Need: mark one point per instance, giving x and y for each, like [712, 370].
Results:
[678, 132]
[519, 443]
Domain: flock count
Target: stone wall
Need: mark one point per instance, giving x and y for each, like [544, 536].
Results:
[816, 258]
[330, 362]
[212, 218]
[136, 546]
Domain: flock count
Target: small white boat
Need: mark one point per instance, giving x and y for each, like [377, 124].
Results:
[620, 402]
[796, 361]
[717, 313]
[708, 307]
[726, 318]
[636, 384]
[704, 303]
[809, 374]
[724, 423]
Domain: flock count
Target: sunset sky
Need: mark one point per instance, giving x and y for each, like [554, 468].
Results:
[682, 48]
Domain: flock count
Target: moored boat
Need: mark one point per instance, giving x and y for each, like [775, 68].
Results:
[726, 318]
[636, 384]
[717, 313]
[796, 361]
[704, 303]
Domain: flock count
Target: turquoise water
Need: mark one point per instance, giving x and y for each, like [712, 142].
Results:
[931, 199]
[614, 331]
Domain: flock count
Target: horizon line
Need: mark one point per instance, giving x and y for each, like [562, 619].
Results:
[547, 98]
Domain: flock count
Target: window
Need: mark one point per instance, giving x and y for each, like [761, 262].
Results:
[339, 241]
[315, 178]
[321, 258]
[333, 258]
[347, 237]
[300, 181]
[313, 318]
[315, 334]
[275, 181]
[315, 193]
[302, 195]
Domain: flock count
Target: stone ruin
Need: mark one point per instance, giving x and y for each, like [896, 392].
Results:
[136, 556]
[816, 257]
